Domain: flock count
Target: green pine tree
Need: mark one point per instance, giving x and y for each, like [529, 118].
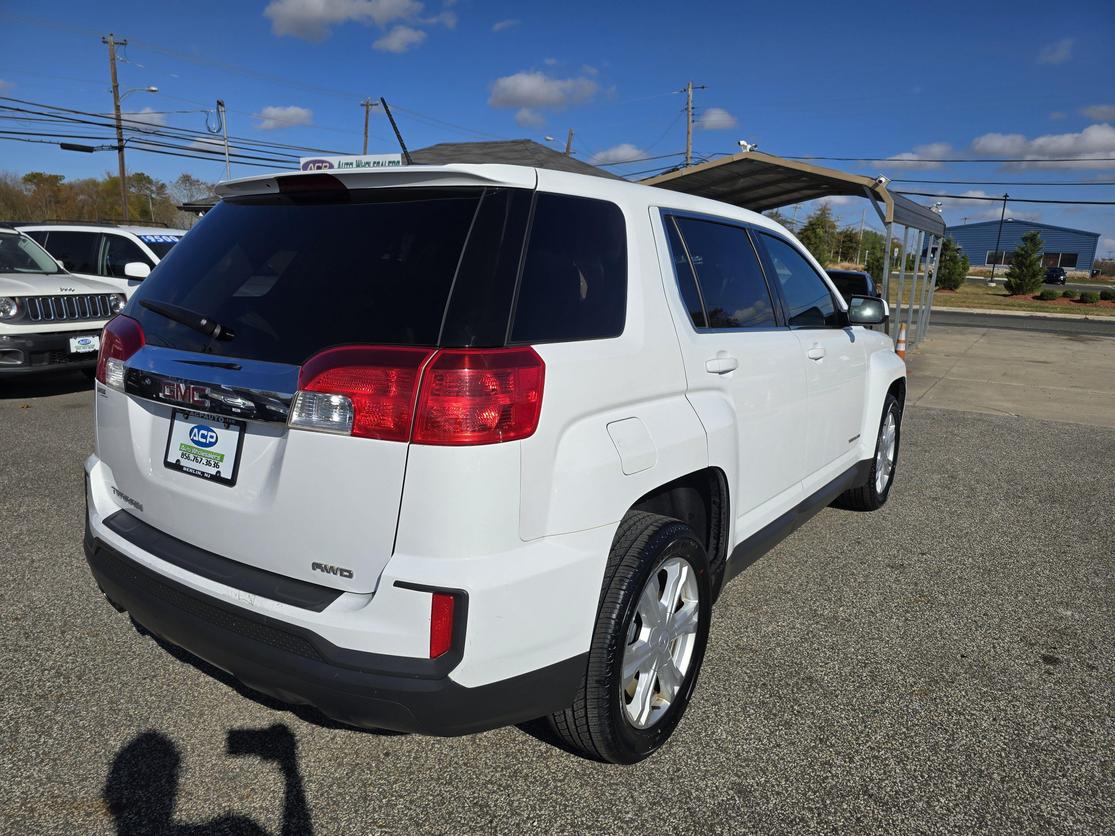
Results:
[953, 268]
[1025, 273]
[818, 234]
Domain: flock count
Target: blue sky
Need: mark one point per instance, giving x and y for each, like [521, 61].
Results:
[969, 80]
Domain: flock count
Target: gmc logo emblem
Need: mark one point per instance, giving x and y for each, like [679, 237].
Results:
[186, 393]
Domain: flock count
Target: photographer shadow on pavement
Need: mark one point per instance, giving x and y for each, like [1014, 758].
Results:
[142, 786]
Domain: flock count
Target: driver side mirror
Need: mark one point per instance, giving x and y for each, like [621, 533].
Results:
[137, 270]
[867, 310]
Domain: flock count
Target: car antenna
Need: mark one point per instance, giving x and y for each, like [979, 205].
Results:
[395, 128]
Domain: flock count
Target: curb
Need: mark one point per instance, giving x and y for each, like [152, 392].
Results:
[1031, 314]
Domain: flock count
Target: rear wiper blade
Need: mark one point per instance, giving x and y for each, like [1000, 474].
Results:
[191, 319]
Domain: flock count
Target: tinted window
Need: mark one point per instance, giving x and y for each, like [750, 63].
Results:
[118, 251]
[687, 282]
[851, 283]
[808, 300]
[574, 279]
[21, 254]
[77, 250]
[293, 275]
[733, 289]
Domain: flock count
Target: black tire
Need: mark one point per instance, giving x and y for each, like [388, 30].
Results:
[596, 725]
[867, 497]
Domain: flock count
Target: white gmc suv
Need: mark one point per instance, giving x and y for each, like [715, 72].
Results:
[440, 449]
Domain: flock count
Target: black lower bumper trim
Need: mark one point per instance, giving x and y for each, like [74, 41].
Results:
[45, 352]
[308, 596]
[295, 666]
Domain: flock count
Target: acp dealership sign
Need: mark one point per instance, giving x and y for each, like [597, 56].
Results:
[349, 163]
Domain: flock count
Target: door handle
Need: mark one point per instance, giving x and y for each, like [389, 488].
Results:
[817, 352]
[722, 363]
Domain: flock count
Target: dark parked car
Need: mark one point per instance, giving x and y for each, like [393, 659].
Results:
[853, 283]
[1055, 275]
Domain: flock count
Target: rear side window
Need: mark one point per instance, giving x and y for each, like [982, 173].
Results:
[76, 250]
[573, 284]
[293, 275]
[733, 289]
[806, 296]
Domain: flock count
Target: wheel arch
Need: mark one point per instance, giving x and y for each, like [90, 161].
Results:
[701, 500]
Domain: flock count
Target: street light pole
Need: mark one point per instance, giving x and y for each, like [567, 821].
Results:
[998, 238]
[112, 44]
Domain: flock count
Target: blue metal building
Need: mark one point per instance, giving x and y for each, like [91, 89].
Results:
[1073, 249]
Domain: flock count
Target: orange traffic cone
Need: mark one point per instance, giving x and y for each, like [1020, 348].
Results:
[900, 346]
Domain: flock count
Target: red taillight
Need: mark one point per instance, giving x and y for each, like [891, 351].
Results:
[380, 383]
[464, 396]
[479, 396]
[441, 624]
[122, 337]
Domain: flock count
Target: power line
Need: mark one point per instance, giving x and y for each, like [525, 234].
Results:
[1009, 182]
[644, 159]
[1012, 200]
[891, 159]
[144, 150]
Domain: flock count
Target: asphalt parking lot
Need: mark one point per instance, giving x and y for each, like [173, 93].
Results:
[945, 664]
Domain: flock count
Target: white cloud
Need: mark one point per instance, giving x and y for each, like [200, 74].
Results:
[534, 89]
[399, 39]
[1057, 52]
[1106, 246]
[588, 69]
[6, 85]
[622, 153]
[446, 18]
[551, 62]
[837, 200]
[312, 19]
[922, 156]
[500, 25]
[716, 119]
[1056, 115]
[146, 117]
[211, 144]
[275, 117]
[1102, 112]
[529, 118]
[1090, 148]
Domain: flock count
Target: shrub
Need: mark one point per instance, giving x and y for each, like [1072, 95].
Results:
[1089, 297]
[953, 268]
[1068, 294]
[1107, 295]
[1047, 295]
[1025, 273]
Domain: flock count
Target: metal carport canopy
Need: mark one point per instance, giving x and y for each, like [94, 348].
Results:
[757, 181]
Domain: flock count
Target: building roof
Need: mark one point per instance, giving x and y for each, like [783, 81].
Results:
[1023, 222]
[524, 152]
[759, 181]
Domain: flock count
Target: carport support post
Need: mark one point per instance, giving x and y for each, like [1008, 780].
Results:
[923, 323]
[887, 229]
[896, 321]
[911, 336]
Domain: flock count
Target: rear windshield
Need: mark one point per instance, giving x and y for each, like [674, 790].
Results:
[291, 278]
[160, 244]
[291, 275]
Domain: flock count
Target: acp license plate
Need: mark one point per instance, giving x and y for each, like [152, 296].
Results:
[204, 445]
[88, 342]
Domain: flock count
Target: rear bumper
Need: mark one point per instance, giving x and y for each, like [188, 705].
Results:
[44, 352]
[297, 666]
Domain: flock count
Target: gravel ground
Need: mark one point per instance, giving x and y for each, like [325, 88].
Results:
[945, 664]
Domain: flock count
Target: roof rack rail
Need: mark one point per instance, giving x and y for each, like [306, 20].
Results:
[64, 222]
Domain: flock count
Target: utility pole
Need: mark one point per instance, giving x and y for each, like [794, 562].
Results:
[998, 238]
[859, 250]
[112, 44]
[367, 104]
[689, 88]
[569, 143]
[224, 127]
